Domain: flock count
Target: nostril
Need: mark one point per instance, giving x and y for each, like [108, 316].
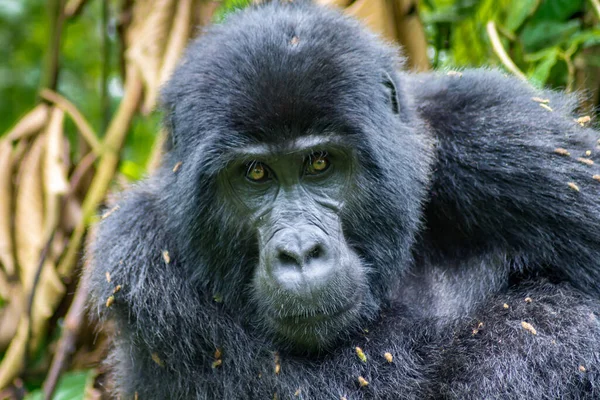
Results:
[287, 258]
[315, 252]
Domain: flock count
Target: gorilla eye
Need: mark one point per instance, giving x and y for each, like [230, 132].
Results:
[317, 163]
[257, 172]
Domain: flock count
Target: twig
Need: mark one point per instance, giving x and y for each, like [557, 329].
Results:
[84, 127]
[114, 139]
[56, 20]
[74, 7]
[501, 53]
[596, 5]
[68, 339]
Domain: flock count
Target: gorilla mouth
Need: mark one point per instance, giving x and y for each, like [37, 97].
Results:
[318, 317]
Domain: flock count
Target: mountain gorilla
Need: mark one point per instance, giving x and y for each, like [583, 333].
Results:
[325, 226]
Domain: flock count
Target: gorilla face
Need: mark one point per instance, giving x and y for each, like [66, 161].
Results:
[309, 283]
[291, 204]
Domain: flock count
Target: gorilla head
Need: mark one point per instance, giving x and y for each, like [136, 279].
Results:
[294, 203]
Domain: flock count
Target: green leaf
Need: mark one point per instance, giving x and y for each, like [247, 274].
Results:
[558, 10]
[519, 12]
[536, 36]
[71, 386]
[540, 74]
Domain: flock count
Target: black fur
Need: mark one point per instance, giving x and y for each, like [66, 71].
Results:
[460, 204]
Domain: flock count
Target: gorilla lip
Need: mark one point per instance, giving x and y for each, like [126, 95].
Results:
[319, 316]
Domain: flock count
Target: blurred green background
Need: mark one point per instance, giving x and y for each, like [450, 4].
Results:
[554, 42]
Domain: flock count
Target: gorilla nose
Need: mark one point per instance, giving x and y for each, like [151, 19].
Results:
[298, 255]
[301, 260]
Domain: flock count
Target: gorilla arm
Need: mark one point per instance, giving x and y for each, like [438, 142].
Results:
[514, 205]
[515, 173]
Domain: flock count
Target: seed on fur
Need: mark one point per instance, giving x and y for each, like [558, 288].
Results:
[582, 368]
[297, 393]
[596, 177]
[588, 153]
[177, 166]
[277, 363]
[505, 306]
[361, 354]
[479, 327]
[562, 152]
[547, 107]
[107, 276]
[528, 327]
[388, 357]
[585, 161]
[528, 300]
[573, 186]
[157, 360]
[135, 396]
[362, 381]
[110, 301]
[343, 398]
[455, 73]
[109, 212]
[217, 363]
[583, 120]
[218, 353]
[295, 40]
[166, 256]
[117, 289]
[540, 100]
[218, 298]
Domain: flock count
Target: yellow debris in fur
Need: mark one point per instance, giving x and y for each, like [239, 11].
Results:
[596, 177]
[362, 381]
[388, 357]
[157, 360]
[218, 353]
[217, 363]
[110, 301]
[528, 300]
[505, 306]
[588, 153]
[107, 276]
[109, 212]
[361, 354]
[546, 107]
[177, 166]
[585, 161]
[573, 186]
[528, 327]
[455, 73]
[166, 256]
[583, 120]
[562, 152]
[540, 100]
[582, 368]
[117, 289]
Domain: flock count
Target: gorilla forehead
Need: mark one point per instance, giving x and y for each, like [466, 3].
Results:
[269, 73]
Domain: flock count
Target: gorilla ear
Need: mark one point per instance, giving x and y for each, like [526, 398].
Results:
[388, 82]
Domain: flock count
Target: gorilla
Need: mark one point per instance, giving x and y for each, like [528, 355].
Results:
[327, 226]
